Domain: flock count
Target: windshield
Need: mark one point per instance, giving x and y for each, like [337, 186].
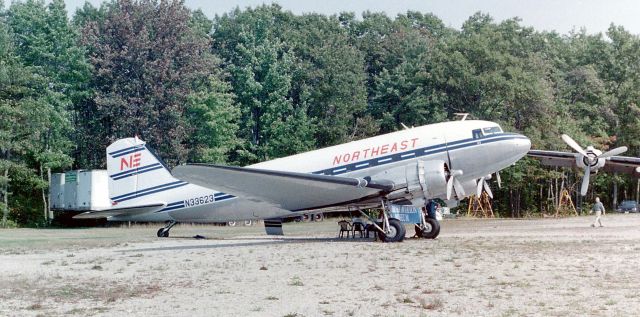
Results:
[491, 130]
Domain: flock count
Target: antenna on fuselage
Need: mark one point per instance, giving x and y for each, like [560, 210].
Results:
[462, 115]
[404, 126]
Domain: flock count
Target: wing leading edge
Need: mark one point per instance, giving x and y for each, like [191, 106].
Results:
[286, 190]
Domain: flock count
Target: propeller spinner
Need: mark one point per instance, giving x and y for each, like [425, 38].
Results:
[591, 158]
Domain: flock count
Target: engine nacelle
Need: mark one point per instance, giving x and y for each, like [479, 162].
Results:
[433, 178]
[591, 160]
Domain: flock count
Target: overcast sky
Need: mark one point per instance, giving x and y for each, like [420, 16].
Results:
[559, 15]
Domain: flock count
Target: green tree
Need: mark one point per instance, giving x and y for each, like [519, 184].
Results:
[147, 61]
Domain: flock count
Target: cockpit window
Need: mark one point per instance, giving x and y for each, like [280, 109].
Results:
[477, 133]
[491, 130]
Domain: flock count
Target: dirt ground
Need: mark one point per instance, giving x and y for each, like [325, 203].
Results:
[542, 267]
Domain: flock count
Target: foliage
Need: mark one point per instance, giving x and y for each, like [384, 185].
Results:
[260, 83]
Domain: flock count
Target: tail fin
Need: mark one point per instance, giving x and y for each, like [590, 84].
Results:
[135, 171]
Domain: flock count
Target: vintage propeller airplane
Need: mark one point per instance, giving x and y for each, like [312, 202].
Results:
[590, 159]
[448, 160]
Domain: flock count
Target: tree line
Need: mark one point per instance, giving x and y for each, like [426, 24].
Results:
[260, 83]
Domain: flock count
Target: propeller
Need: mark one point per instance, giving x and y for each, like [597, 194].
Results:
[454, 183]
[499, 179]
[590, 159]
[585, 180]
[482, 183]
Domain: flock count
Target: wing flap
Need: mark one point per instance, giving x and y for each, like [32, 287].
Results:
[286, 190]
[124, 211]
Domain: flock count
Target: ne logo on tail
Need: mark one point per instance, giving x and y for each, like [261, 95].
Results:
[131, 161]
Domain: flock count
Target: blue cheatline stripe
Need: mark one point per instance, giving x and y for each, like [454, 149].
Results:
[136, 171]
[173, 206]
[121, 152]
[180, 204]
[140, 194]
[425, 151]
[225, 197]
[141, 172]
[148, 191]
[128, 152]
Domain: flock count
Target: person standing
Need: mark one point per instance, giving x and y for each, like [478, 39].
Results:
[598, 207]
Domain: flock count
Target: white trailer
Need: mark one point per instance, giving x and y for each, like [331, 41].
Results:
[79, 190]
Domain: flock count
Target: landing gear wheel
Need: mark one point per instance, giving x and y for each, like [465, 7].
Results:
[431, 229]
[162, 233]
[396, 232]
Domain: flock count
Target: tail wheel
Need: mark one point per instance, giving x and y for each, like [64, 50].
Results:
[431, 229]
[396, 232]
[163, 233]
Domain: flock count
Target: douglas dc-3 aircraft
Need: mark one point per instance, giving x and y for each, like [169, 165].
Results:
[448, 160]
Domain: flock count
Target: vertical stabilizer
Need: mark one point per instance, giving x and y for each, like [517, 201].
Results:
[136, 172]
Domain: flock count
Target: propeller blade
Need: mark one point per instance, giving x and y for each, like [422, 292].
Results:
[573, 144]
[488, 189]
[459, 189]
[585, 181]
[614, 152]
[479, 187]
[454, 182]
[499, 179]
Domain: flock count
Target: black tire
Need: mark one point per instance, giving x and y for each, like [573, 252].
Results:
[160, 232]
[431, 230]
[165, 234]
[396, 227]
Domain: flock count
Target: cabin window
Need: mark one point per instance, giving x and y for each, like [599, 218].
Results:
[477, 133]
[491, 130]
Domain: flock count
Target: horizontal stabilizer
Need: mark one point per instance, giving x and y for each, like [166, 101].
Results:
[124, 211]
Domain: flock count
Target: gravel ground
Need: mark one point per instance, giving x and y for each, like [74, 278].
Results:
[540, 267]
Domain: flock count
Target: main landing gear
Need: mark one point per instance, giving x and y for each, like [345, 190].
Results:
[164, 232]
[429, 228]
[389, 229]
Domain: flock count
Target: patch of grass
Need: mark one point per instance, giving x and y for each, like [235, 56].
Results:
[293, 315]
[407, 300]
[610, 302]
[97, 267]
[36, 306]
[296, 281]
[48, 262]
[433, 303]
[271, 298]
[263, 268]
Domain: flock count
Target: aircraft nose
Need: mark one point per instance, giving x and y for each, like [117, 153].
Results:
[522, 145]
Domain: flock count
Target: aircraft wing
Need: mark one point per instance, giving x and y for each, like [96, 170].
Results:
[623, 164]
[554, 158]
[124, 211]
[614, 164]
[286, 190]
